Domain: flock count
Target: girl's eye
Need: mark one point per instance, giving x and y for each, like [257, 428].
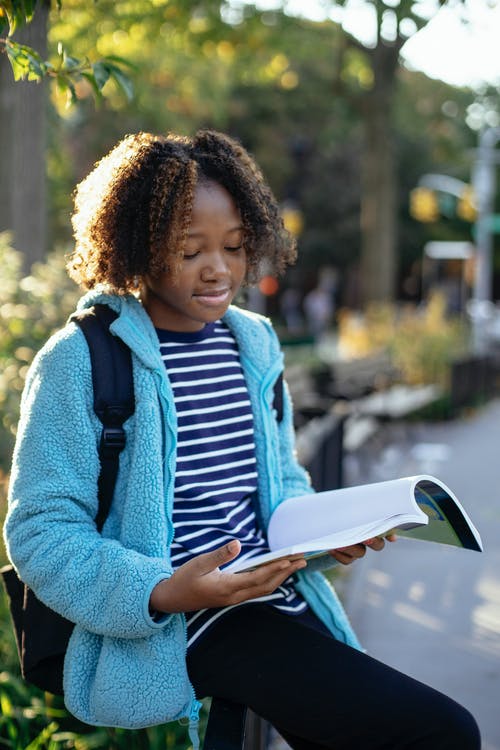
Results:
[233, 249]
[191, 254]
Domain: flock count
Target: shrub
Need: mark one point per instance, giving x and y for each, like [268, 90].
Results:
[421, 341]
[31, 309]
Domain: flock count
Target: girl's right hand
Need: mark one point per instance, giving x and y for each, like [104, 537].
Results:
[200, 584]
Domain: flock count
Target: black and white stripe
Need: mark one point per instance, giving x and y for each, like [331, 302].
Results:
[216, 471]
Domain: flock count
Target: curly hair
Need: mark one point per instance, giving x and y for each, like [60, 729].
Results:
[132, 212]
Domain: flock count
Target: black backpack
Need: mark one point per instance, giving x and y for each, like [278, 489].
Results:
[42, 635]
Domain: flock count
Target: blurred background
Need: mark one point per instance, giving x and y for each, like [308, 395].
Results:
[377, 125]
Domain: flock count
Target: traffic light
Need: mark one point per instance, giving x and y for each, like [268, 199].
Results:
[466, 205]
[293, 220]
[424, 204]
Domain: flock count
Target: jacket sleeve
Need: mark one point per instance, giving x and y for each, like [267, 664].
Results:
[50, 533]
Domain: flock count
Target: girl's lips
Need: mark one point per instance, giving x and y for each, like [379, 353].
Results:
[213, 297]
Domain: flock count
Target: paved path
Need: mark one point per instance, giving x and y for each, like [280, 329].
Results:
[434, 611]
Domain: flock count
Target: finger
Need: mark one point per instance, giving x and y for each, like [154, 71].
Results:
[208, 561]
[354, 550]
[375, 544]
[263, 572]
[272, 582]
[347, 555]
[268, 577]
[341, 557]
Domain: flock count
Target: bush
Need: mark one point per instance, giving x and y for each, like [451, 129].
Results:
[421, 342]
[31, 309]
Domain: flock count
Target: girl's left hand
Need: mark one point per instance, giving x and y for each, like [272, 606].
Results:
[347, 555]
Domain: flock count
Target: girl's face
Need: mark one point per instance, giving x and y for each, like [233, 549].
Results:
[213, 268]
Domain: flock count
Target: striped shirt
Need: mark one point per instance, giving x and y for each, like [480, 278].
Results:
[216, 470]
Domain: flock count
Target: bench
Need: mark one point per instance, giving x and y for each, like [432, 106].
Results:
[397, 402]
[320, 448]
[354, 378]
[232, 726]
[307, 401]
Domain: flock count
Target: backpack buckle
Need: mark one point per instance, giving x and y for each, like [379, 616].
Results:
[112, 441]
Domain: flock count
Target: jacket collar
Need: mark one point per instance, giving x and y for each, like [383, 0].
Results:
[135, 328]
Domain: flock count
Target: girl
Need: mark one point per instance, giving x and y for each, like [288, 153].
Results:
[167, 230]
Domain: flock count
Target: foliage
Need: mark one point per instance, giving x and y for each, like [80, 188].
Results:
[31, 309]
[269, 79]
[422, 342]
[31, 720]
[64, 69]
[260, 75]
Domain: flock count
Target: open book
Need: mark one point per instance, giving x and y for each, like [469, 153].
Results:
[420, 507]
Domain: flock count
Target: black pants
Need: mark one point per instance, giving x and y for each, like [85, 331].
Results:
[320, 693]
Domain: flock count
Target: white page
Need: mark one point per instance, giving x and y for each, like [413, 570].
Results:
[331, 541]
[338, 518]
[315, 515]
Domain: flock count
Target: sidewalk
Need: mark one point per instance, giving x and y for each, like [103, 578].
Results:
[434, 611]
[429, 610]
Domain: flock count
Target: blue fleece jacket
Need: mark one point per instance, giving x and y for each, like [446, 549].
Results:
[123, 668]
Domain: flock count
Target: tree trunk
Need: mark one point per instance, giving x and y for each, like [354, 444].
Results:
[23, 199]
[379, 179]
[378, 208]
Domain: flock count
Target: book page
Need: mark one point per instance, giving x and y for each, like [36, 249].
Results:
[316, 515]
[321, 545]
[420, 507]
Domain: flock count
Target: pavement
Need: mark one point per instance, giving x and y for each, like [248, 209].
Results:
[431, 610]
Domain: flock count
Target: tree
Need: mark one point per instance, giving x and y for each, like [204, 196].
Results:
[23, 128]
[307, 98]
[374, 71]
[24, 71]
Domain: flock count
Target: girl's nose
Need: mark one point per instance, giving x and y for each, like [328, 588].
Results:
[215, 265]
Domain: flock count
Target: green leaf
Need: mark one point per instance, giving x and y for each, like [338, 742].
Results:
[61, 83]
[18, 12]
[72, 97]
[123, 81]
[95, 88]
[121, 61]
[29, 8]
[25, 61]
[5, 704]
[66, 86]
[101, 73]
[71, 63]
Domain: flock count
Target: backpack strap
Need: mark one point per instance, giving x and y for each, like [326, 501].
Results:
[278, 397]
[114, 402]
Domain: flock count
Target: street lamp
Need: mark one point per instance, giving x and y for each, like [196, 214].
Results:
[477, 203]
[483, 181]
